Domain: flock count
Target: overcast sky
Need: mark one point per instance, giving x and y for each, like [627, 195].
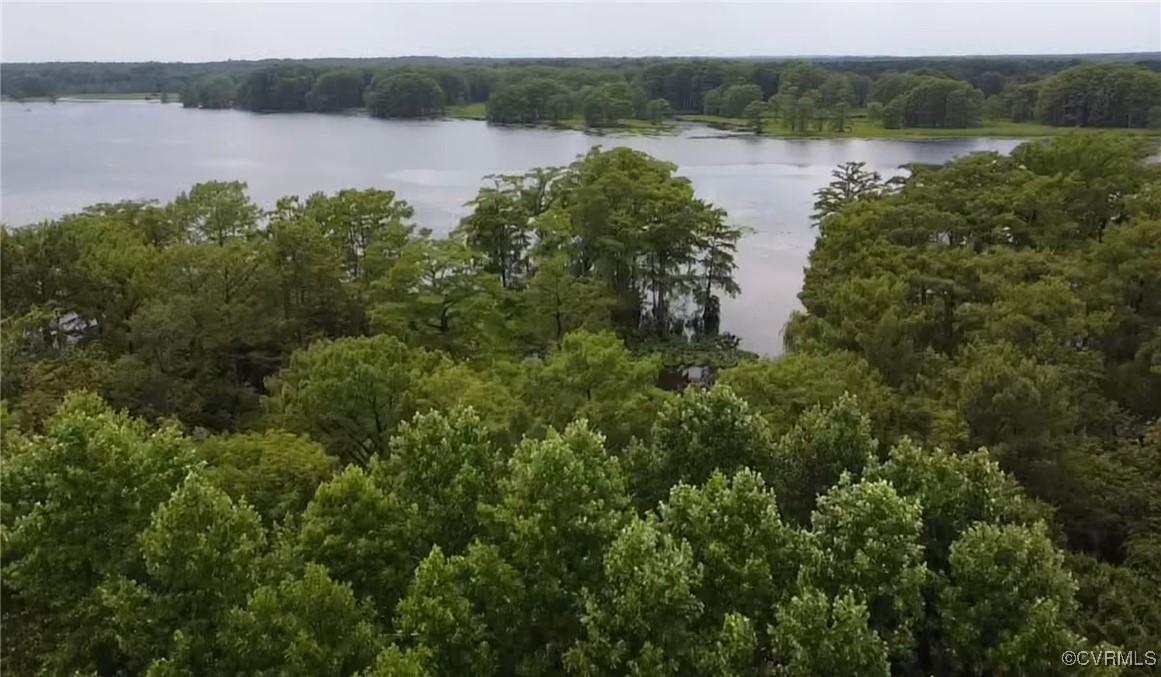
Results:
[211, 31]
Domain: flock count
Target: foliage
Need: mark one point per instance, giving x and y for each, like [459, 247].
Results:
[275, 472]
[405, 95]
[594, 377]
[336, 90]
[1105, 95]
[940, 102]
[210, 91]
[352, 394]
[851, 182]
[74, 502]
[282, 88]
[601, 92]
[364, 535]
[437, 295]
[992, 298]
[301, 626]
[201, 555]
[465, 464]
[445, 466]
[695, 435]
[783, 389]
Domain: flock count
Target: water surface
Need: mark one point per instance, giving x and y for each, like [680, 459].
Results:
[55, 159]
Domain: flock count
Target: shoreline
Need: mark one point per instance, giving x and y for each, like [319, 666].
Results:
[862, 129]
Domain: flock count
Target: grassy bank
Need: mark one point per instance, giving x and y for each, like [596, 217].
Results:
[117, 96]
[623, 125]
[862, 128]
[473, 111]
[478, 111]
[865, 129]
[127, 96]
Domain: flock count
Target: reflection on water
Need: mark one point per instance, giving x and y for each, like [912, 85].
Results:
[55, 159]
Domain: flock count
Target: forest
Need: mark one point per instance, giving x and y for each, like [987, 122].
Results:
[318, 439]
[802, 96]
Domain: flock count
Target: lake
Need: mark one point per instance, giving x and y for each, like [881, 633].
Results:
[56, 159]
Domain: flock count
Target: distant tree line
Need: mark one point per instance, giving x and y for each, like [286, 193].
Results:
[805, 96]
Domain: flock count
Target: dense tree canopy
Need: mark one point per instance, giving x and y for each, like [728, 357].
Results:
[406, 95]
[996, 299]
[211, 91]
[316, 440]
[335, 90]
[940, 102]
[1104, 95]
[275, 89]
[1093, 91]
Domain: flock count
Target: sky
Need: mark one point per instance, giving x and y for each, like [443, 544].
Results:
[213, 31]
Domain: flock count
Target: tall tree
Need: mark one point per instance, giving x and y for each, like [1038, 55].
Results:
[404, 95]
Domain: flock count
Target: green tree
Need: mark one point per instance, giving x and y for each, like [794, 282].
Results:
[840, 120]
[500, 227]
[657, 110]
[202, 555]
[718, 243]
[804, 112]
[1003, 618]
[753, 113]
[636, 227]
[818, 450]
[783, 389]
[594, 377]
[750, 558]
[74, 502]
[641, 620]
[336, 90]
[712, 102]
[404, 95]
[301, 626]
[955, 492]
[309, 276]
[820, 636]
[369, 228]
[557, 303]
[802, 76]
[351, 394]
[736, 99]
[891, 85]
[894, 112]
[462, 613]
[695, 435]
[275, 472]
[445, 466]
[1099, 95]
[211, 91]
[872, 542]
[216, 212]
[939, 102]
[851, 182]
[365, 536]
[562, 503]
[278, 88]
[392, 662]
[438, 295]
[837, 89]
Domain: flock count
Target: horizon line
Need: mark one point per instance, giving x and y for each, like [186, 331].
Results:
[771, 57]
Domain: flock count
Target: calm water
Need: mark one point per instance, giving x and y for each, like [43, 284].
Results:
[55, 159]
